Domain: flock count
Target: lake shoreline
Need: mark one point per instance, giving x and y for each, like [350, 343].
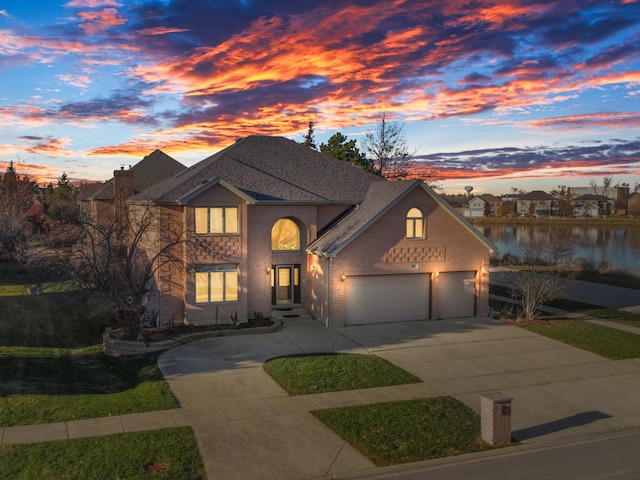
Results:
[603, 221]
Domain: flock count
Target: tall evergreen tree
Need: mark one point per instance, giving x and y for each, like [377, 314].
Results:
[309, 138]
[339, 147]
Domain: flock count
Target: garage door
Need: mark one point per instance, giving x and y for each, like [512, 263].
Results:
[387, 298]
[456, 294]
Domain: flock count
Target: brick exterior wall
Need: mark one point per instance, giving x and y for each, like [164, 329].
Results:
[384, 249]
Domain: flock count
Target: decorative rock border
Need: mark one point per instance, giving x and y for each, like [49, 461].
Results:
[116, 347]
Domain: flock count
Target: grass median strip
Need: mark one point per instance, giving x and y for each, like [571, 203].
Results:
[167, 454]
[319, 373]
[607, 342]
[408, 431]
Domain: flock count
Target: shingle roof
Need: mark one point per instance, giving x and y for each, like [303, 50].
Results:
[380, 198]
[152, 169]
[592, 197]
[536, 195]
[269, 169]
[487, 197]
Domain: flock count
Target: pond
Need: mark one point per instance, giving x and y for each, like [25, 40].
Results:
[617, 247]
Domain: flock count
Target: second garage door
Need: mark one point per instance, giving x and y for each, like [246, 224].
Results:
[456, 294]
[387, 298]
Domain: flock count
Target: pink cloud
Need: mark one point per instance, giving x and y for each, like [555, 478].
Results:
[94, 22]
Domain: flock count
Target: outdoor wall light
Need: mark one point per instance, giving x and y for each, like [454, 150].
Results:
[343, 277]
[312, 268]
[268, 270]
[436, 273]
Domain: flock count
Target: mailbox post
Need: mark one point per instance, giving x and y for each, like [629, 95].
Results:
[495, 418]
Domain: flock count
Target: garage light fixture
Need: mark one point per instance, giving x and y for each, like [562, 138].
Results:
[343, 277]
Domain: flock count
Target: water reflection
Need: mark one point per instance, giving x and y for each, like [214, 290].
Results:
[618, 246]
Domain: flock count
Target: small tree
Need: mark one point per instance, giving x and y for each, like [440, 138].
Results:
[533, 284]
[386, 146]
[21, 214]
[119, 258]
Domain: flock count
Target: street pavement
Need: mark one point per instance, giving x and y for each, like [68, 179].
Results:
[247, 427]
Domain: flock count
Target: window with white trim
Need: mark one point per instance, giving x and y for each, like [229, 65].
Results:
[415, 224]
[217, 283]
[220, 220]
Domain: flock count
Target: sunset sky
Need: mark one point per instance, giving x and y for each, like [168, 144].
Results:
[494, 94]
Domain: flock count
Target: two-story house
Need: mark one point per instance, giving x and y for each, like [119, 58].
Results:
[273, 224]
[537, 204]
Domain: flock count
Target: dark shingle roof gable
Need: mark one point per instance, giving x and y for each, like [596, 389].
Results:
[269, 169]
[380, 198]
[149, 171]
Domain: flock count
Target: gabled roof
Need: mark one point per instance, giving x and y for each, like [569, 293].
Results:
[487, 197]
[536, 195]
[379, 199]
[152, 169]
[269, 170]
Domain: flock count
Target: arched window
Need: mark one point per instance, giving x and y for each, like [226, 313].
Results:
[285, 235]
[415, 223]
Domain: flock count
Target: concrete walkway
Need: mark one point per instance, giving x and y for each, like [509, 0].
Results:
[248, 428]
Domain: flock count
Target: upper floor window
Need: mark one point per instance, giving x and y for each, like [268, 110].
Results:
[415, 223]
[285, 235]
[217, 283]
[222, 220]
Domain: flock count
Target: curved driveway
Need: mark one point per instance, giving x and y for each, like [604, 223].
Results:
[247, 427]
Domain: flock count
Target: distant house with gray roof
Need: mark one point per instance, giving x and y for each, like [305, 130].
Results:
[278, 224]
[537, 204]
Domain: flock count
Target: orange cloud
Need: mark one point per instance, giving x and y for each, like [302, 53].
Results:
[98, 21]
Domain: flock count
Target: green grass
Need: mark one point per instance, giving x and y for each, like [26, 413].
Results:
[607, 342]
[42, 385]
[61, 317]
[408, 431]
[306, 374]
[124, 456]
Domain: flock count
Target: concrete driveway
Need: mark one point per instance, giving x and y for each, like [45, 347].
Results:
[248, 427]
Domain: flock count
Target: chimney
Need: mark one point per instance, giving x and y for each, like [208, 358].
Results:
[123, 188]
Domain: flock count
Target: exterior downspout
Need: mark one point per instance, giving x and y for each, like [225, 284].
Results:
[326, 320]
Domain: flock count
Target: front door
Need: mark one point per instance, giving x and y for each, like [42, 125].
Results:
[285, 283]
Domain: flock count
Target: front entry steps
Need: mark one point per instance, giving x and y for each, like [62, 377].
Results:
[289, 312]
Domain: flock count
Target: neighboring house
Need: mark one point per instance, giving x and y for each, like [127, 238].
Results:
[634, 203]
[279, 224]
[591, 205]
[618, 196]
[483, 206]
[537, 204]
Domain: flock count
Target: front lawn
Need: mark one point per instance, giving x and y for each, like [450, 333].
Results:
[607, 342]
[407, 431]
[167, 454]
[42, 385]
[306, 374]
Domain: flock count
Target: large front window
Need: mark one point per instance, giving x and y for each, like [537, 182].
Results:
[217, 283]
[285, 235]
[221, 220]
